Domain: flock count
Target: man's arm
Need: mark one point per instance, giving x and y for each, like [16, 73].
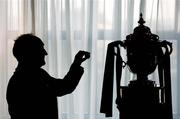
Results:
[70, 81]
[68, 84]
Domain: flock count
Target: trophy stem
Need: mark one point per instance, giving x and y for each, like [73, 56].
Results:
[142, 77]
[142, 81]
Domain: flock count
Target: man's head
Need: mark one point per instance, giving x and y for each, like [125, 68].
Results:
[29, 50]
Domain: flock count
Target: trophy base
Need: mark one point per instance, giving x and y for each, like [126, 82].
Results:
[142, 100]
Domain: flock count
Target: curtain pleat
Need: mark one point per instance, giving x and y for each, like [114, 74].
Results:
[67, 26]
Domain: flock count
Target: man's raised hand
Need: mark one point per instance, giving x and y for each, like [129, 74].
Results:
[81, 56]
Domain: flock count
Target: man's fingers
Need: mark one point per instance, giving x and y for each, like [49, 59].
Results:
[81, 56]
[86, 55]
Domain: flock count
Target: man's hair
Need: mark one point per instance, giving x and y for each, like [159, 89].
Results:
[25, 45]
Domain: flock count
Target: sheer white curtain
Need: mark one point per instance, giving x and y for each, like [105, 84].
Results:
[67, 26]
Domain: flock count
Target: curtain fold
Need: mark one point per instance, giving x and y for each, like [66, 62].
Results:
[67, 26]
[3, 60]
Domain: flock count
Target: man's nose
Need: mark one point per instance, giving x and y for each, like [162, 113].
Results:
[45, 52]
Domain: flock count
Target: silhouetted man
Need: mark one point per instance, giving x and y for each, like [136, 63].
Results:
[32, 92]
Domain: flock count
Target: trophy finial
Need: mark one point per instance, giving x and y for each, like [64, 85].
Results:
[141, 20]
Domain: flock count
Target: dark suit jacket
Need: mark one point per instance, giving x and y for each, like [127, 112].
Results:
[32, 93]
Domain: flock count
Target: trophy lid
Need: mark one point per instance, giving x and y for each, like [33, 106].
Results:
[141, 29]
[141, 20]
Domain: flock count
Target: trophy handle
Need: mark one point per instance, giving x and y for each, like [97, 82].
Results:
[168, 46]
